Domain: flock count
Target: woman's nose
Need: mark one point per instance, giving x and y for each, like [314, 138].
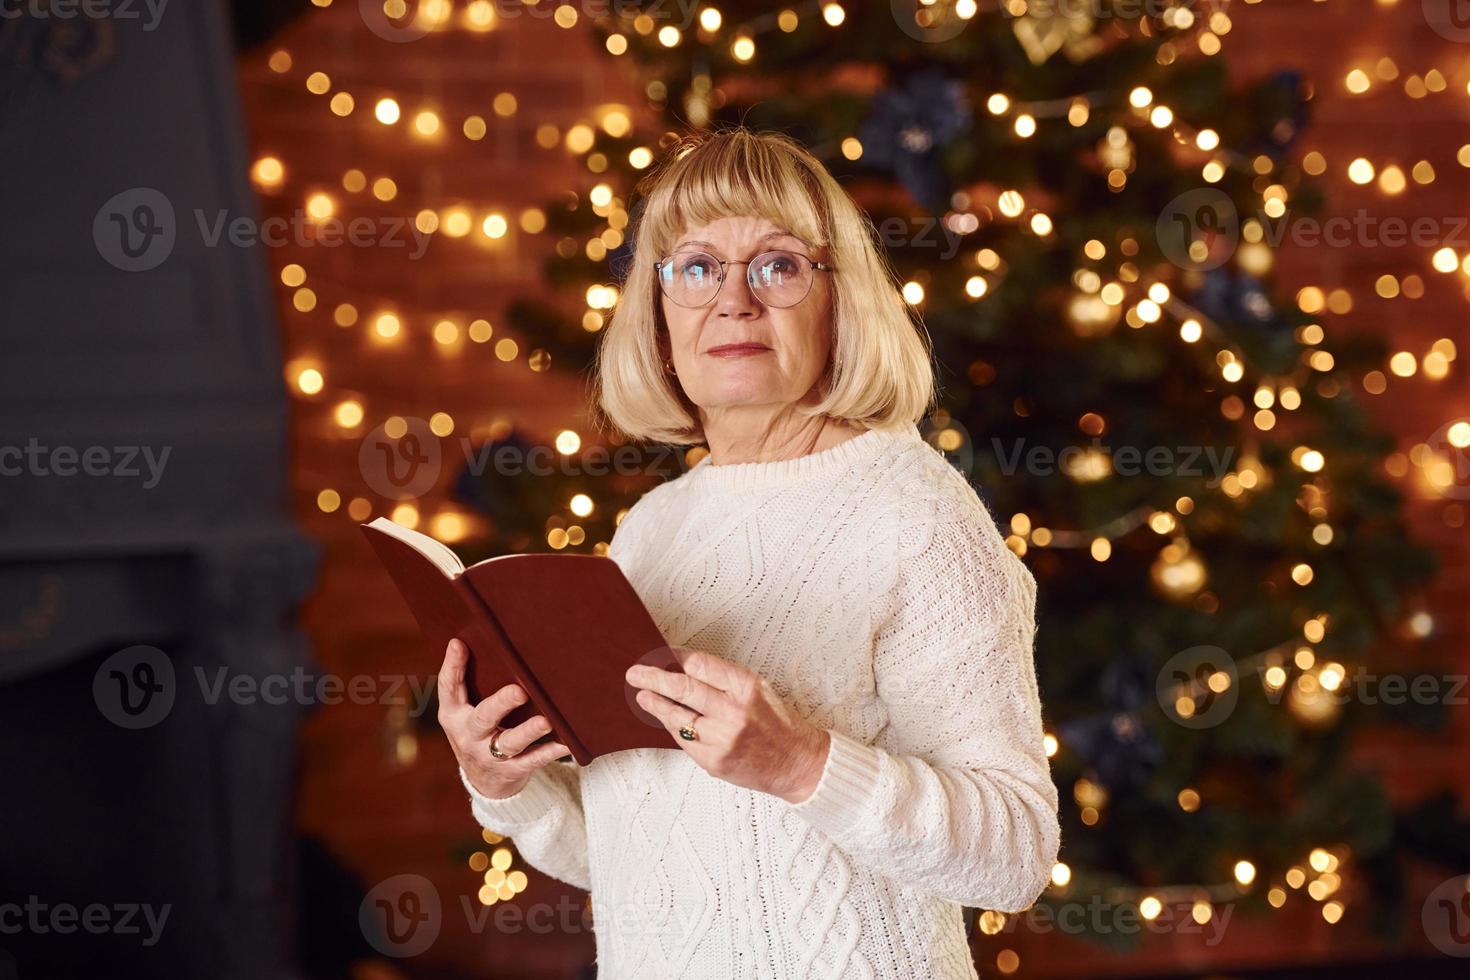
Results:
[735, 297]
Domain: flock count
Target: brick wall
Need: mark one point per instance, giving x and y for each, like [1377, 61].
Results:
[380, 794]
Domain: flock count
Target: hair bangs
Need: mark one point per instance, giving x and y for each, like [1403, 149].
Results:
[739, 178]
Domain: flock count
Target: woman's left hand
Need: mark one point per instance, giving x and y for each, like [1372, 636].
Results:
[747, 735]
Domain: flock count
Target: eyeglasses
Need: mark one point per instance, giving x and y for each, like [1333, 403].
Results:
[779, 279]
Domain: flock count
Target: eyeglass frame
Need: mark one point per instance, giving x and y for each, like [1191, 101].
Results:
[816, 265]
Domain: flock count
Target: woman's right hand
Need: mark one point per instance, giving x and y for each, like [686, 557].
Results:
[469, 728]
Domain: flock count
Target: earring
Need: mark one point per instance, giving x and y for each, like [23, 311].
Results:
[669, 367]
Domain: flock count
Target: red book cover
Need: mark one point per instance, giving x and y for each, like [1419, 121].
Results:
[564, 627]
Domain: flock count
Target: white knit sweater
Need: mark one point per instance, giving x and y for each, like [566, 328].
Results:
[870, 586]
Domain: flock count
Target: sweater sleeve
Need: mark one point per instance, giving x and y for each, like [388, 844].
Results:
[955, 797]
[545, 819]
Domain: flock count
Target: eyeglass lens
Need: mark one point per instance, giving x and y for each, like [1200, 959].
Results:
[778, 279]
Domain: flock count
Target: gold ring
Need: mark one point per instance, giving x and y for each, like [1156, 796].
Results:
[494, 750]
[688, 734]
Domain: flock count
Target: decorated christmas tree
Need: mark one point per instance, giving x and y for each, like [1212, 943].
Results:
[1078, 207]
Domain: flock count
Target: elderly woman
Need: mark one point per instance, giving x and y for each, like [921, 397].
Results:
[859, 747]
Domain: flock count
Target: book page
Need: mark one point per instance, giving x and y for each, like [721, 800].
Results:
[440, 554]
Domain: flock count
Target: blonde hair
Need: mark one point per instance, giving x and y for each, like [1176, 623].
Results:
[881, 372]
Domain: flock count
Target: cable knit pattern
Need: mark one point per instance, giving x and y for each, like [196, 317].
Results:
[871, 587]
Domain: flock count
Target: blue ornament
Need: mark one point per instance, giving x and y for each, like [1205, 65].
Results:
[1116, 743]
[1229, 295]
[1285, 92]
[907, 128]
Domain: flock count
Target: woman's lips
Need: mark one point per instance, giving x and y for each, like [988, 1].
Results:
[737, 350]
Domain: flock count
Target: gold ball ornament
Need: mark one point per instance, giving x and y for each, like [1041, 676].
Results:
[1179, 571]
[1091, 316]
[1312, 704]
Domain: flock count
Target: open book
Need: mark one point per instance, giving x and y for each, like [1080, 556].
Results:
[563, 627]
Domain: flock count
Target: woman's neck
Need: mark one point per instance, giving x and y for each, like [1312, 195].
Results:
[743, 437]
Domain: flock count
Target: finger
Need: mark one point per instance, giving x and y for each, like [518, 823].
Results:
[682, 688]
[452, 692]
[513, 741]
[672, 714]
[542, 755]
[489, 712]
[717, 672]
